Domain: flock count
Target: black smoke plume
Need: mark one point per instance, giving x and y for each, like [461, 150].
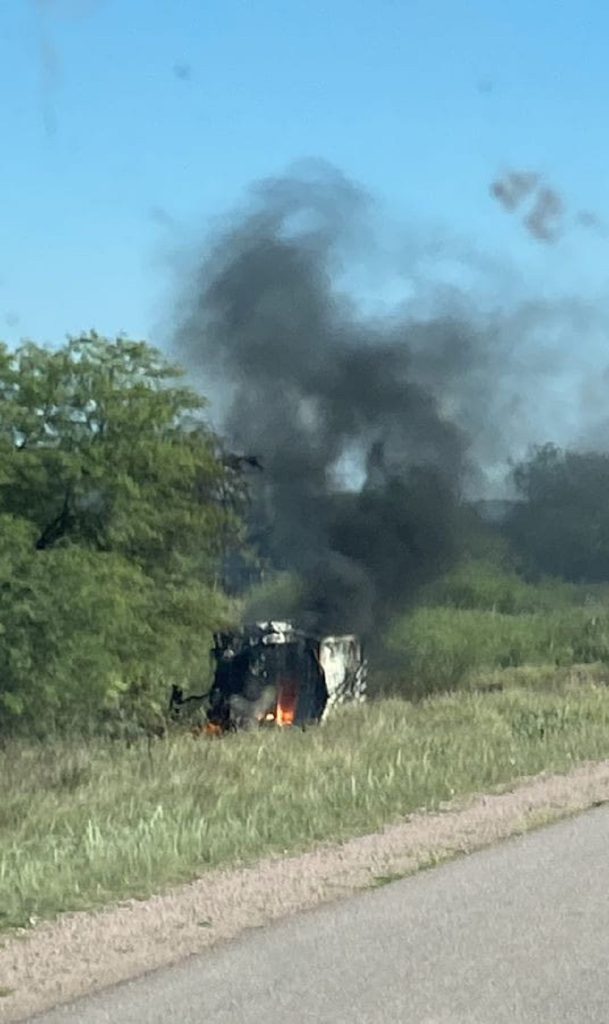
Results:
[362, 423]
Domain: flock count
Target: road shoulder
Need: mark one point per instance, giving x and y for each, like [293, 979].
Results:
[84, 952]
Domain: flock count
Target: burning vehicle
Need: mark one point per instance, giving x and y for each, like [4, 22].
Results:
[274, 674]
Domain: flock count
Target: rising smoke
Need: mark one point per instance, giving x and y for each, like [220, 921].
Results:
[370, 429]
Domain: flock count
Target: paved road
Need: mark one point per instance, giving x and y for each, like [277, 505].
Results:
[516, 933]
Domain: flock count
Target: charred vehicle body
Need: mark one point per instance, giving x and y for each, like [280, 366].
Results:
[271, 673]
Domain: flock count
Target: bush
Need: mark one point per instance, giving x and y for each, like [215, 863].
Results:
[87, 636]
[440, 648]
[117, 516]
[485, 585]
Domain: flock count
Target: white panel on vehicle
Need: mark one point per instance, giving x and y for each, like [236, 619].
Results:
[341, 660]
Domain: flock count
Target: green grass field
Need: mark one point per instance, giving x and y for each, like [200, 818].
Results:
[479, 619]
[82, 824]
[440, 648]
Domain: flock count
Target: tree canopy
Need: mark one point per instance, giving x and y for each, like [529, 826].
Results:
[560, 526]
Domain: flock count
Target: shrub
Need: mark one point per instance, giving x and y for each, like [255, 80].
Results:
[440, 648]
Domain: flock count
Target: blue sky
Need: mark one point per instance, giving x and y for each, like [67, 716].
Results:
[127, 124]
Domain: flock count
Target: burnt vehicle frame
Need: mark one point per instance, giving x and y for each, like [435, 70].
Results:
[274, 674]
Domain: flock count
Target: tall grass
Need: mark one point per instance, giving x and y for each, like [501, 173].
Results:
[480, 618]
[86, 821]
[84, 824]
[439, 648]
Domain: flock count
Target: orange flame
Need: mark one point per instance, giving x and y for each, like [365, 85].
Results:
[287, 698]
[212, 729]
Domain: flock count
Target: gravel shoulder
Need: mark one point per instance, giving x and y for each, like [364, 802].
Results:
[83, 952]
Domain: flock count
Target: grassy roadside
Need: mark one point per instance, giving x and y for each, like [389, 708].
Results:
[82, 825]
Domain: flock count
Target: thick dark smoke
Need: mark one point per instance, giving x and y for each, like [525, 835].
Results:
[362, 424]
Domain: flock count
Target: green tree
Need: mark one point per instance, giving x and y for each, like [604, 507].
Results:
[560, 526]
[100, 445]
[117, 511]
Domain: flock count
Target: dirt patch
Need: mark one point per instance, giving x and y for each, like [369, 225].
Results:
[79, 953]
